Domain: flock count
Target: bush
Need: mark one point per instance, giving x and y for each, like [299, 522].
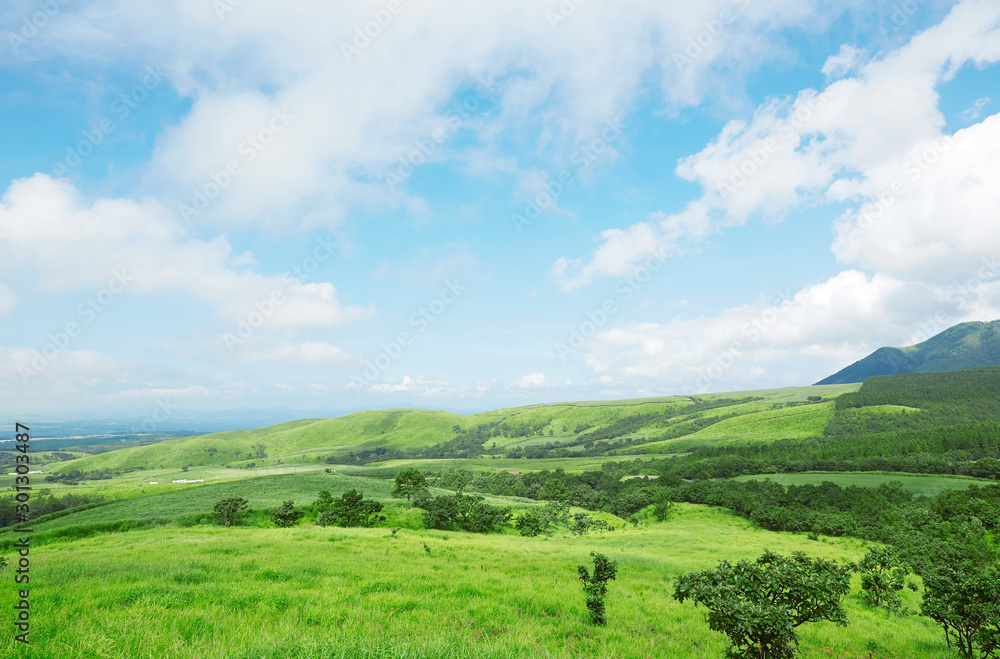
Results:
[596, 585]
[883, 576]
[758, 605]
[352, 510]
[286, 514]
[229, 511]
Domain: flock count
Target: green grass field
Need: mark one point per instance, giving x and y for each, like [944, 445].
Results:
[923, 484]
[202, 592]
[306, 440]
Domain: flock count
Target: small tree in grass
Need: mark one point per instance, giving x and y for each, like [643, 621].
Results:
[323, 502]
[758, 605]
[596, 585]
[883, 575]
[228, 511]
[409, 482]
[353, 510]
[965, 601]
[286, 514]
[531, 524]
[662, 506]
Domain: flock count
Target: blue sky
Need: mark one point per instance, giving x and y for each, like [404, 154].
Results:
[221, 204]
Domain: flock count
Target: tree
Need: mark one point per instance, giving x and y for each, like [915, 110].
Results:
[554, 490]
[662, 506]
[409, 482]
[758, 605]
[353, 510]
[883, 576]
[323, 502]
[596, 585]
[580, 524]
[965, 601]
[259, 451]
[228, 511]
[286, 514]
[531, 524]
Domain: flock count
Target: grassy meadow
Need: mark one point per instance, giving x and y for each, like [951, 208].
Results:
[205, 591]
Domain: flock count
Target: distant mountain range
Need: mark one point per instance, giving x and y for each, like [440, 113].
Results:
[968, 345]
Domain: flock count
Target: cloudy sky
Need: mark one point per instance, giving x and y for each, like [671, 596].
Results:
[219, 203]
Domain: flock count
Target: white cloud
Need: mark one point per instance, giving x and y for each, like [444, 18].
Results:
[933, 214]
[844, 61]
[70, 244]
[833, 146]
[354, 119]
[797, 338]
[975, 111]
[420, 385]
[531, 381]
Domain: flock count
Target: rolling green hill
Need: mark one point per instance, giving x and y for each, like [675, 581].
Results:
[964, 346]
[581, 429]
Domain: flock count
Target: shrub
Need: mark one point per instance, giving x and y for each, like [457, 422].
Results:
[286, 514]
[229, 511]
[352, 510]
[758, 605]
[596, 585]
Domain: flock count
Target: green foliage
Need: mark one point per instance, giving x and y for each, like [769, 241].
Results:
[662, 505]
[409, 482]
[965, 600]
[352, 510]
[554, 490]
[530, 524]
[580, 523]
[759, 605]
[323, 502]
[286, 514]
[468, 513]
[883, 576]
[596, 585]
[229, 511]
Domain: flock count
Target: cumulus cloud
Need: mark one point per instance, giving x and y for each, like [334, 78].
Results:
[359, 107]
[838, 145]
[844, 61]
[531, 381]
[419, 385]
[139, 248]
[796, 337]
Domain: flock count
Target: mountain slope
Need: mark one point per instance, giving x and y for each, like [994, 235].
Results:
[599, 423]
[964, 346]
